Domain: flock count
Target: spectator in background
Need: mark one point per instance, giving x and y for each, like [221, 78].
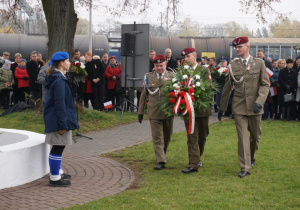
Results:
[13, 67]
[199, 61]
[33, 68]
[105, 63]
[261, 54]
[171, 63]
[297, 68]
[6, 83]
[88, 93]
[40, 58]
[288, 84]
[152, 54]
[204, 61]
[269, 59]
[178, 60]
[275, 89]
[212, 64]
[113, 75]
[23, 80]
[41, 79]
[78, 82]
[280, 65]
[5, 56]
[95, 72]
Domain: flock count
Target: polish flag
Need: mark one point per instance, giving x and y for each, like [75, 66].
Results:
[273, 91]
[270, 72]
[107, 105]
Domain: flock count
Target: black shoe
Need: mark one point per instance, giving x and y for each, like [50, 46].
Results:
[159, 166]
[242, 174]
[60, 183]
[200, 163]
[65, 176]
[253, 163]
[189, 170]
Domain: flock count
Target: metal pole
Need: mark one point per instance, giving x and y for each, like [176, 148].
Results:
[90, 30]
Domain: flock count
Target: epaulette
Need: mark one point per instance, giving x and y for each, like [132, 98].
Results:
[258, 59]
[234, 60]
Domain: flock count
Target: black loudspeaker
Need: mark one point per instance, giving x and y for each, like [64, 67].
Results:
[128, 44]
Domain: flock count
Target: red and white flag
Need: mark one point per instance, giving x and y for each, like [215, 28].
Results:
[270, 72]
[273, 91]
[107, 105]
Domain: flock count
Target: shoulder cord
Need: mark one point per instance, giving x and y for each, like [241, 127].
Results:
[147, 87]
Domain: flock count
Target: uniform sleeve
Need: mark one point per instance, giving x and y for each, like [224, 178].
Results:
[60, 104]
[226, 94]
[142, 101]
[264, 86]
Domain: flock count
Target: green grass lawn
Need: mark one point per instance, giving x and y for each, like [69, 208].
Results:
[89, 120]
[273, 184]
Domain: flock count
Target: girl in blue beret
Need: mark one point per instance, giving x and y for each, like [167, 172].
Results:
[59, 116]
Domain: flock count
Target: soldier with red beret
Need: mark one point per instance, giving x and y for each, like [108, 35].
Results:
[196, 141]
[161, 125]
[249, 79]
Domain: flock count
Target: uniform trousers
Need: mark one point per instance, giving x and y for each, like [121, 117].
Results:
[247, 147]
[197, 140]
[161, 136]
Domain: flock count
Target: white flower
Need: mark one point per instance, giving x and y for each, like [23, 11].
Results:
[76, 62]
[82, 66]
[185, 76]
[174, 80]
[193, 86]
[197, 76]
[206, 66]
[221, 70]
[186, 67]
[198, 84]
[175, 85]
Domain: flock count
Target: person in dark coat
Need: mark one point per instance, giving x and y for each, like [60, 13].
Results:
[171, 63]
[297, 108]
[288, 83]
[95, 72]
[33, 68]
[152, 54]
[13, 67]
[59, 116]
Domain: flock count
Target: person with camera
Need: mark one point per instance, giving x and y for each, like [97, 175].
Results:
[287, 80]
[161, 125]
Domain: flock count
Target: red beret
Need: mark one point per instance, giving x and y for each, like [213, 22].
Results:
[188, 51]
[159, 58]
[240, 40]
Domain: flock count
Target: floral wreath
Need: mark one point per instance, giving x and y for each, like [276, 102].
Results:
[189, 91]
[219, 74]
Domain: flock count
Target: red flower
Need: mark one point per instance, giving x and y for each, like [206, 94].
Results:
[190, 91]
[226, 70]
[182, 93]
[172, 100]
[172, 94]
[216, 69]
[78, 64]
[183, 83]
[182, 102]
[193, 98]
[73, 63]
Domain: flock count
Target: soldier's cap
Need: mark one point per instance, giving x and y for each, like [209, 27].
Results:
[6, 53]
[224, 59]
[159, 58]
[199, 59]
[188, 51]
[23, 60]
[205, 58]
[240, 40]
[178, 59]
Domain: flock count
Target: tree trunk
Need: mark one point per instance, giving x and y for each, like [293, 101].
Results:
[61, 21]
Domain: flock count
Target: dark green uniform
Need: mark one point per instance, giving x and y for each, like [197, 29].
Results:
[161, 125]
[250, 86]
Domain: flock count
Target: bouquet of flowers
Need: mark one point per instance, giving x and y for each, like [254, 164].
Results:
[218, 75]
[79, 68]
[189, 91]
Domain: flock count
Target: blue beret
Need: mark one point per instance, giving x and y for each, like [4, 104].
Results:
[224, 59]
[58, 56]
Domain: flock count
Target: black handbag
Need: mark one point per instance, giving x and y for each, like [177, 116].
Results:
[288, 98]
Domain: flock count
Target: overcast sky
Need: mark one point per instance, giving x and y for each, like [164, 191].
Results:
[203, 11]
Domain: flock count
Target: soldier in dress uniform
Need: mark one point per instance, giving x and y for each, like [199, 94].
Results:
[161, 125]
[249, 79]
[196, 141]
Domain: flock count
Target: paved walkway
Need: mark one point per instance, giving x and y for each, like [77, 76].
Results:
[93, 177]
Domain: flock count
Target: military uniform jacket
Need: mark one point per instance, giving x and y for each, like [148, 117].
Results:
[253, 89]
[153, 107]
[208, 111]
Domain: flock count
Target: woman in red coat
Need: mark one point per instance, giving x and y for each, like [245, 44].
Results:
[23, 79]
[113, 75]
